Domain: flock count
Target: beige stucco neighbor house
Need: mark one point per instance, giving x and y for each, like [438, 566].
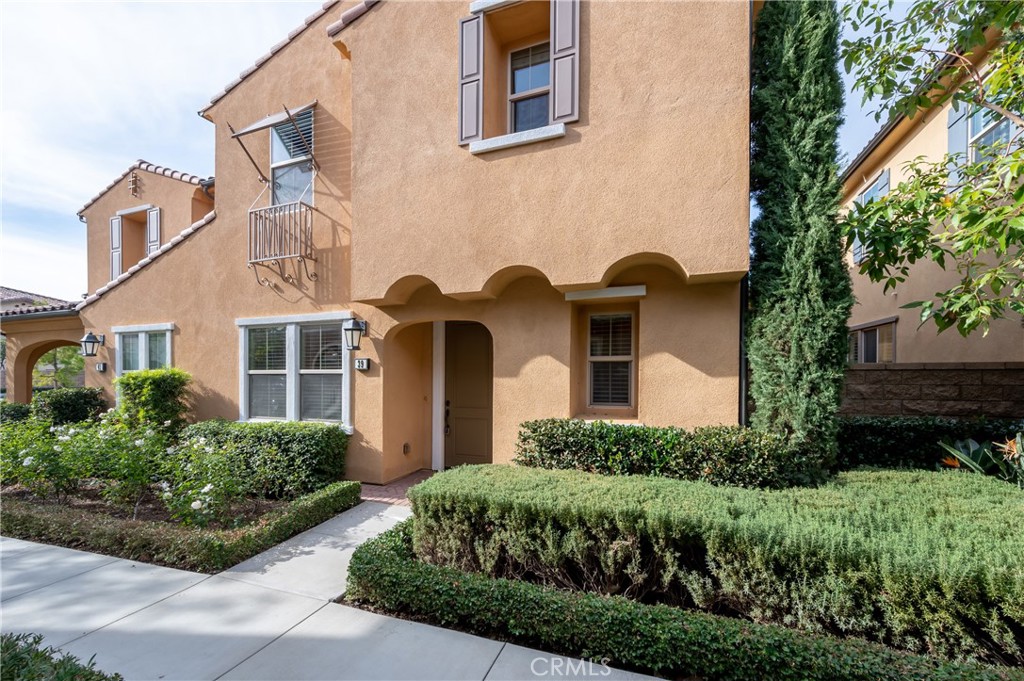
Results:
[537, 209]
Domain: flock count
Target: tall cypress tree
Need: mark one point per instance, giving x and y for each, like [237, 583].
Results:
[800, 288]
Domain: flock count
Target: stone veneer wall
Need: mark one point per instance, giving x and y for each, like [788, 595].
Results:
[994, 389]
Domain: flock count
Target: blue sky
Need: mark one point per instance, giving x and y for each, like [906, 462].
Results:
[86, 88]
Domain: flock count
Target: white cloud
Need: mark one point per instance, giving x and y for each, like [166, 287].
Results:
[39, 265]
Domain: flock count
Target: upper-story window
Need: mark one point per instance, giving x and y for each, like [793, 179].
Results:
[518, 72]
[877, 189]
[985, 129]
[291, 160]
[531, 86]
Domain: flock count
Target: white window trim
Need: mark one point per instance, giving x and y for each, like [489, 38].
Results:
[138, 209]
[610, 293]
[613, 358]
[517, 139]
[972, 140]
[481, 6]
[166, 328]
[292, 324]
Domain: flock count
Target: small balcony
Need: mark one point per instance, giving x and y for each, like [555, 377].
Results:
[280, 232]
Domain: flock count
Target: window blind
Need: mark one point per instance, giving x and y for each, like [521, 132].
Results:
[267, 349]
[611, 335]
[609, 383]
[268, 396]
[286, 142]
[129, 352]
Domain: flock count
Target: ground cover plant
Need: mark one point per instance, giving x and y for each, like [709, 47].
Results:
[923, 561]
[25, 659]
[386, 575]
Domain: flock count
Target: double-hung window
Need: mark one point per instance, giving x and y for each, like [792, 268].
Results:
[142, 347]
[611, 360]
[877, 189]
[873, 344]
[291, 160]
[986, 131]
[530, 81]
[295, 369]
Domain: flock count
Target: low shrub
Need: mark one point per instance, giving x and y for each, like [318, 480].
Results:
[155, 397]
[14, 411]
[68, 405]
[721, 455]
[174, 545]
[25, 659]
[201, 482]
[282, 459]
[649, 638]
[911, 441]
[922, 561]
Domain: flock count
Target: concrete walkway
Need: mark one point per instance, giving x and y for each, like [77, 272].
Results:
[270, 617]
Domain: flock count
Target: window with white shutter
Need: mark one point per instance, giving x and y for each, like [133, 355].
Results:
[115, 248]
[152, 231]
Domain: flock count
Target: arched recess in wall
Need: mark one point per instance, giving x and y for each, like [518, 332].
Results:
[503, 278]
[638, 259]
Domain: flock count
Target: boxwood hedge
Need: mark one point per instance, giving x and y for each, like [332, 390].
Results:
[923, 561]
[173, 545]
[68, 405]
[283, 459]
[721, 455]
[657, 639]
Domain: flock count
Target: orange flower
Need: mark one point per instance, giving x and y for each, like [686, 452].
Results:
[951, 461]
[1009, 449]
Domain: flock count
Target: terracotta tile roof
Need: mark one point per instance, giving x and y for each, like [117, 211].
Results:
[273, 50]
[9, 295]
[350, 16]
[103, 290]
[35, 309]
[150, 168]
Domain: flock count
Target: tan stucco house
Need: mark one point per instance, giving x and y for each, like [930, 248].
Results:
[537, 209]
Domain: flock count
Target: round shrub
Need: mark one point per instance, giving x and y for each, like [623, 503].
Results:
[157, 397]
[14, 411]
[68, 405]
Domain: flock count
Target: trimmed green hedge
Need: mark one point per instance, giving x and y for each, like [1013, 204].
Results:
[154, 397]
[721, 455]
[25, 659]
[68, 405]
[649, 638]
[11, 412]
[911, 441]
[922, 561]
[174, 545]
[283, 458]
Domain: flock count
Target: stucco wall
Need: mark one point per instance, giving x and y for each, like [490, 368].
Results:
[656, 164]
[181, 204]
[926, 136]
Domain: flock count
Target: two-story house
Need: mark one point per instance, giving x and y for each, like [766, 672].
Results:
[433, 221]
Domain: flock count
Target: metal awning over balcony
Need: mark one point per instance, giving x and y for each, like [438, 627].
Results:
[287, 115]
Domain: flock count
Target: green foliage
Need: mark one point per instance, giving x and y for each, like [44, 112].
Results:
[800, 288]
[654, 639]
[66, 364]
[203, 550]
[202, 482]
[281, 459]
[721, 455]
[14, 411]
[1002, 460]
[922, 561]
[25, 659]
[154, 397]
[911, 64]
[911, 441]
[68, 405]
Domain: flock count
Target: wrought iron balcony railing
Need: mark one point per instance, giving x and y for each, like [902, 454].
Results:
[280, 232]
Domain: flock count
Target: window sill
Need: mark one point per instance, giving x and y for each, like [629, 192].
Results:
[517, 139]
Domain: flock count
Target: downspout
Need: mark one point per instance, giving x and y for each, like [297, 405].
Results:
[205, 185]
[744, 287]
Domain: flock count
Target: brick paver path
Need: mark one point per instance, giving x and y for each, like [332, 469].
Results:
[394, 492]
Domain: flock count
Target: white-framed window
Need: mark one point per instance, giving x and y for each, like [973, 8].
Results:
[529, 87]
[876, 190]
[873, 343]
[611, 362]
[291, 160]
[146, 346]
[295, 368]
[986, 128]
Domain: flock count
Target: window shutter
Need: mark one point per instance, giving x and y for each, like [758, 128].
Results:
[471, 71]
[957, 124]
[152, 230]
[565, 61]
[115, 248]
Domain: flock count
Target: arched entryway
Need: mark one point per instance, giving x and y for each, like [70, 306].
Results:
[29, 337]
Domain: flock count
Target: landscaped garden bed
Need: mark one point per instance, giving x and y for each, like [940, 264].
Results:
[385, 574]
[136, 483]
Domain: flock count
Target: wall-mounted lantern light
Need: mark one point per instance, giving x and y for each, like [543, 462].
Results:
[354, 330]
[90, 343]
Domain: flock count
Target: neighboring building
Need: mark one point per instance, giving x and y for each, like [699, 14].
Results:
[536, 212]
[976, 375]
[14, 299]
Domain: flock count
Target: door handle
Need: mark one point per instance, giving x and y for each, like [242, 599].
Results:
[447, 411]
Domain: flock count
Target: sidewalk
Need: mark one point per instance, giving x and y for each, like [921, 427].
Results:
[270, 617]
